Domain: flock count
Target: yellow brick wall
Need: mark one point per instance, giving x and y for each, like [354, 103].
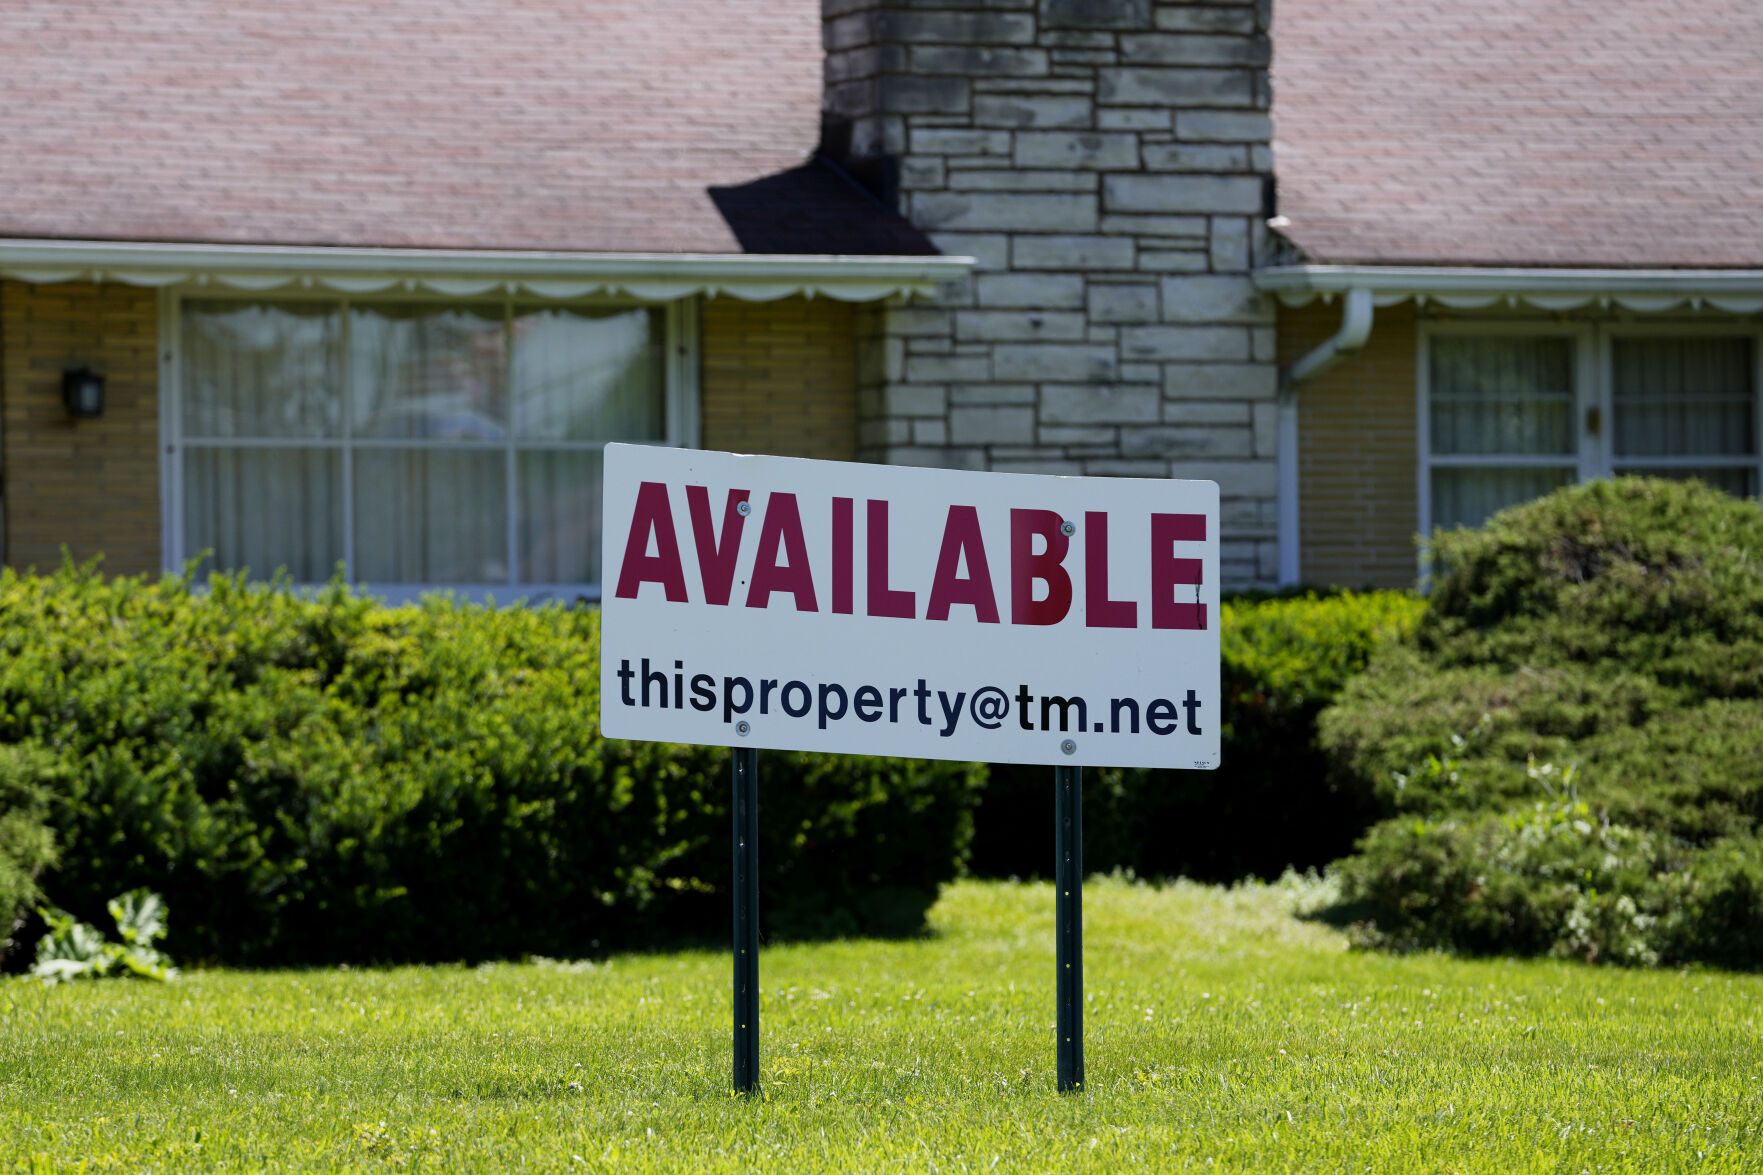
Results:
[779, 377]
[92, 485]
[1357, 451]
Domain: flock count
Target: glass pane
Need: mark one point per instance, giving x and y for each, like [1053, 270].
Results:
[261, 370]
[1684, 397]
[265, 509]
[1739, 482]
[584, 375]
[428, 373]
[425, 516]
[1467, 497]
[559, 517]
[1510, 396]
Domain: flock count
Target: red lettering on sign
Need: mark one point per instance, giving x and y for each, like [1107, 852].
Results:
[782, 530]
[1099, 610]
[652, 516]
[961, 536]
[842, 531]
[1026, 568]
[781, 562]
[716, 561]
[883, 600]
[1169, 572]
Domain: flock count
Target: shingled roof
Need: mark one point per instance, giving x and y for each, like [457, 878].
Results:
[1521, 132]
[574, 125]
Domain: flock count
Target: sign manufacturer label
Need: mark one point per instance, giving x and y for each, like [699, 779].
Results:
[877, 609]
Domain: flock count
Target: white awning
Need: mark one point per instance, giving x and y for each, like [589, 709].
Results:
[1736, 291]
[656, 277]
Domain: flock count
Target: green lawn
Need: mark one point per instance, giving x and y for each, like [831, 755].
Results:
[1222, 1034]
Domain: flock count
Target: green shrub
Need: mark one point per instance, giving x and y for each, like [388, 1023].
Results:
[1612, 633]
[1268, 806]
[26, 844]
[1657, 575]
[319, 779]
[1558, 878]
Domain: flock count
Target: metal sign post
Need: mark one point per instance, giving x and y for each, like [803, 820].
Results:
[746, 989]
[1068, 905]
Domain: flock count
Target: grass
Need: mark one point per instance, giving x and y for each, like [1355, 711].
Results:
[1222, 1034]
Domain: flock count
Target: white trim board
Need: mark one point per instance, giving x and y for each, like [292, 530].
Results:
[649, 277]
[1736, 291]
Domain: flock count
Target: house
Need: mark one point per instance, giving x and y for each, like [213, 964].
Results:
[1546, 214]
[372, 284]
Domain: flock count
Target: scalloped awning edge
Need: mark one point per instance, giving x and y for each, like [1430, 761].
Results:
[1735, 291]
[651, 277]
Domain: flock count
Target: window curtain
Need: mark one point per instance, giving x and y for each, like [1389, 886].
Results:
[256, 373]
[578, 374]
[1686, 397]
[435, 374]
[1469, 497]
[1500, 398]
[428, 373]
[559, 512]
[424, 442]
[265, 510]
[583, 375]
[428, 516]
[261, 371]
[1507, 397]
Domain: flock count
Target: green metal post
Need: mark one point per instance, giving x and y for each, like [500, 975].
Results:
[1068, 879]
[746, 874]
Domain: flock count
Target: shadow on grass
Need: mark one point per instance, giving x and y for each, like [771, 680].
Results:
[884, 913]
[1340, 915]
[687, 922]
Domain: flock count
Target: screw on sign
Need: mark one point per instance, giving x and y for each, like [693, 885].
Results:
[869, 609]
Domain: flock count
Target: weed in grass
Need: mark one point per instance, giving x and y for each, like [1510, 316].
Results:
[1223, 1033]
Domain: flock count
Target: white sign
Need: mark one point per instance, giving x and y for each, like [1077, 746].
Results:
[930, 613]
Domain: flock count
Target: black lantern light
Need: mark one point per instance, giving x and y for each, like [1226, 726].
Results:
[82, 392]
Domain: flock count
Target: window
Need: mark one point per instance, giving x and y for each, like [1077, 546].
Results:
[1686, 407]
[1509, 412]
[1502, 420]
[418, 444]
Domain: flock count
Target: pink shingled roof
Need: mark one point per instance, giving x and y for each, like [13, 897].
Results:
[515, 124]
[1505, 132]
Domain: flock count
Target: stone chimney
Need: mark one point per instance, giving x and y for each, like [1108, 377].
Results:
[1108, 163]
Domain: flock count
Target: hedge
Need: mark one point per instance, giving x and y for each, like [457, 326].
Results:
[1567, 754]
[313, 779]
[1269, 806]
[26, 845]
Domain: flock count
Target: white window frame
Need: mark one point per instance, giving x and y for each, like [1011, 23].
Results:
[1584, 388]
[1594, 386]
[682, 424]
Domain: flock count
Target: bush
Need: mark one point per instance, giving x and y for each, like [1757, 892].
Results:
[26, 844]
[1269, 806]
[320, 779]
[1568, 749]
[1559, 878]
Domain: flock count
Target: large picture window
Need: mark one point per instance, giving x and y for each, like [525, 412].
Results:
[415, 444]
[1510, 412]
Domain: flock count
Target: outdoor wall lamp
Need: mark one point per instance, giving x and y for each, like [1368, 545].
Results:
[82, 392]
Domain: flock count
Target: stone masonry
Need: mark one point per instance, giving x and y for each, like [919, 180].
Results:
[1105, 162]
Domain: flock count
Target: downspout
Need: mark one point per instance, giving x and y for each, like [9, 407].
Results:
[1356, 319]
